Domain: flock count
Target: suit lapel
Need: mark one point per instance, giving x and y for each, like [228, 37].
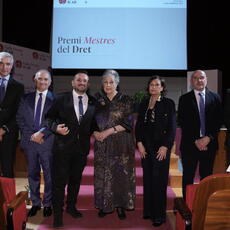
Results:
[207, 98]
[194, 103]
[89, 111]
[70, 105]
[9, 88]
[31, 102]
[207, 101]
[48, 102]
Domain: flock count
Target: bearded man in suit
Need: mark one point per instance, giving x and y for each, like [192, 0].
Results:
[71, 118]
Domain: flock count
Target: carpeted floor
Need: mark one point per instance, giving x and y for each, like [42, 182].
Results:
[90, 219]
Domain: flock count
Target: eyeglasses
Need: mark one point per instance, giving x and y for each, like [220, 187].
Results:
[155, 85]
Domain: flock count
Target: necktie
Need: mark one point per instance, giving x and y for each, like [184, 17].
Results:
[2, 89]
[202, 114]
[38, 113]
[81, 112]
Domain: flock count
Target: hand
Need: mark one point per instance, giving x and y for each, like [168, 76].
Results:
[141, 149]
[96, 135]
[101, 136]
[62, 129]
[37, 138]
[202, 143]
[161, 153]
[2, 131]
[105, 133]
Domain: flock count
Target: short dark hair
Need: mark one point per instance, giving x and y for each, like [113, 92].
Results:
[80, 72]
[162, 81]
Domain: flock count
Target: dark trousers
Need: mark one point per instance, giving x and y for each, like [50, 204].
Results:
[67, 170]
[155, 181]
[7, 153]
[190, 159]
[38, 157]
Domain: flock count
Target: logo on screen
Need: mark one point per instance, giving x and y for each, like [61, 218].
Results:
[62, 1]
[35, 55]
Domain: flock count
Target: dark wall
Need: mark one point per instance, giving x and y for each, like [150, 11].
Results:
[206, 34]
[28, 24]
[208, 41]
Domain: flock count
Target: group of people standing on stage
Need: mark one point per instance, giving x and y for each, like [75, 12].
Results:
[56, 131]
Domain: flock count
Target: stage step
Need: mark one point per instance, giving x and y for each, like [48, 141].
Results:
[175, 176]
[174, 161]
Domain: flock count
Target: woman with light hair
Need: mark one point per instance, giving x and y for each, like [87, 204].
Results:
[114, 175]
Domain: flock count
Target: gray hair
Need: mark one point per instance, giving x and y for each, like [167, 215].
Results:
[6, 54]
[42, 71]
[113, 73]
[202, 72]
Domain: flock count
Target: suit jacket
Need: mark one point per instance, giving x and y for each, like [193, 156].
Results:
[25, 120]
[189, 120]
[9, 105]
[165, 124]
[62, 112]
[227, 110]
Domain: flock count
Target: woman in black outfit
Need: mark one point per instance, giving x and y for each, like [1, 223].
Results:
[155, 133]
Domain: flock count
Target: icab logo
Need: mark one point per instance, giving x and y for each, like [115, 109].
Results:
[62, 1]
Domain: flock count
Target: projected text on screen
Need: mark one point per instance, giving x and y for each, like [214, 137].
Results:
[119, 34]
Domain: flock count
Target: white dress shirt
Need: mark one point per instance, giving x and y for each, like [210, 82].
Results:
[44, 93]
[6, 81]
[76, 102]
[198, 99]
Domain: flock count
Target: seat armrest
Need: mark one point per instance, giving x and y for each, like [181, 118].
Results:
[13, 206]
[18, 200]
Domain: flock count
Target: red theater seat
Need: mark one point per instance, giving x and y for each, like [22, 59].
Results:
[207, 205]
[12, 207]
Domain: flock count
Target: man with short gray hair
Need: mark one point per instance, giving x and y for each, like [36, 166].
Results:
[10, 94]
[37, 140]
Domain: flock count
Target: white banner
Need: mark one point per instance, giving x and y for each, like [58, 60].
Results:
[26, 63]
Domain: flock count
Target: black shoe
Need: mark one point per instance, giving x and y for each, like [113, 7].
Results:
[157, 223]
[101, 213]
[58, 223]
[146, 217]
[121, 213]
[74, 212]
[47, 211]
[33, 211]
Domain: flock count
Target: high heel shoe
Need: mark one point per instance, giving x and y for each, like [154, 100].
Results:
[158, 222]
[121, 213]
[101, 213]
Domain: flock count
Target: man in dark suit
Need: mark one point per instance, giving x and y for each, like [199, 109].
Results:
[200, 118]
[71, 117]
[10, 94]
[37, 140]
